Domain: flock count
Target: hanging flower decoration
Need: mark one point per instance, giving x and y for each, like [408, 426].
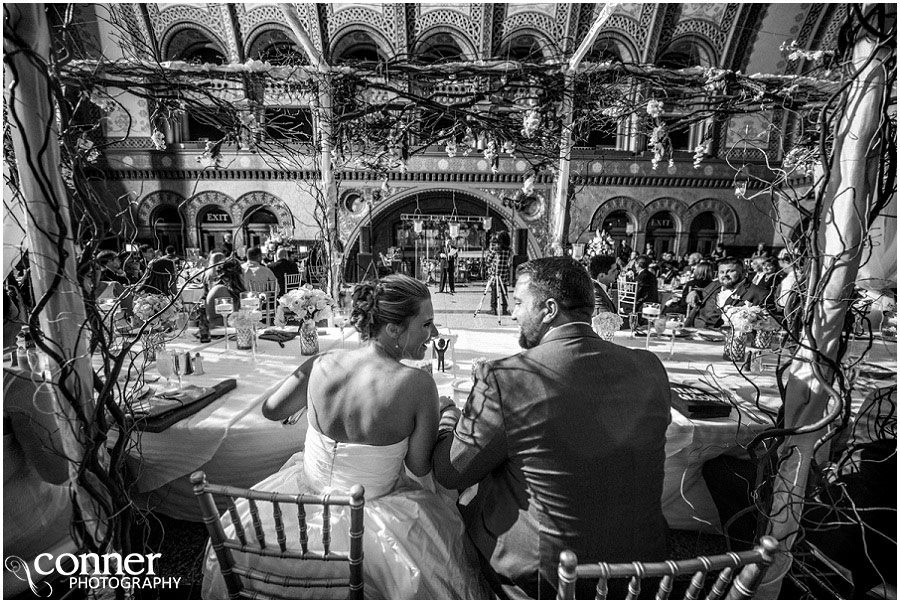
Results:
[159, 140]
[509, 147]
[306, 303]
[659, 145]
[654, 108]
[491, 155]
[530, 123]
[87, 149]
[451, 148]
[700, 152]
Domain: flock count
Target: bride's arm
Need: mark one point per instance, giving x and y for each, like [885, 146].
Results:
[291, 397]
[424, 435]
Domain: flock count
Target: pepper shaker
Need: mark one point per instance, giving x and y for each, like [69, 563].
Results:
[198, 364]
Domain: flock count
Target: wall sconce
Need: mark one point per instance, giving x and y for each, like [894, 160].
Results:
[577, 251]
[454, 229]
[486, 222]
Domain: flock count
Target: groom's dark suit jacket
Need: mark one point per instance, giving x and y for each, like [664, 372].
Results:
[566, 442]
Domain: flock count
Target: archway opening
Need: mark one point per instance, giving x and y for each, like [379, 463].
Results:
[167, 227]
[214, 224]
[703, 234]
[258, 226]
[661, 232]
[619, 226]
[388, 241]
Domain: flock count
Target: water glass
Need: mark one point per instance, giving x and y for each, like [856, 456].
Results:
[675, 323]
[250, 300]
[165, 365]
[178, 366]
[633, 319]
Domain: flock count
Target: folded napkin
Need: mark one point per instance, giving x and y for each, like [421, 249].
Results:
[164, 401]
[277, 336]
[709, 335]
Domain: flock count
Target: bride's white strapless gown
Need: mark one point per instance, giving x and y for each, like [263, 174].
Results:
[414, 543]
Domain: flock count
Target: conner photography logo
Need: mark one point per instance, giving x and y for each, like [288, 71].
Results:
[90, 571]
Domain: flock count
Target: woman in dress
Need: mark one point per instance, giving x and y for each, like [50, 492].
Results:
[229, 282]
[372, 421]
[702, 274]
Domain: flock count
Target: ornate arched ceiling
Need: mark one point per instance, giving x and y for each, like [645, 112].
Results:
[744, 36]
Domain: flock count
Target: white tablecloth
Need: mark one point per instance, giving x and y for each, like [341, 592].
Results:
[229, 439]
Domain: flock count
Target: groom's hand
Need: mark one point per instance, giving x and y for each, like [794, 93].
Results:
[449, 414]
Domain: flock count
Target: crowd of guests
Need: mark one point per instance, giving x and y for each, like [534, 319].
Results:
[703, 285]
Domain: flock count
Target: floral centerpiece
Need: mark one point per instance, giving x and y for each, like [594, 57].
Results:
[749, 324]
[606, 324]
[158, 312]
[308, 305]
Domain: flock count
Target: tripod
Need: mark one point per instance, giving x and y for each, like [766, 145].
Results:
[500, 288]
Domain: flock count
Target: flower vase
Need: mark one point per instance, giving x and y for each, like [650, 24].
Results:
[735, 346]
[762, 339]
[309, 338]
[244, 337]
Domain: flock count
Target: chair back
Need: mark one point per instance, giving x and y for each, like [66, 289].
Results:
[627, 297]
[292, 281]
[754, 563]
[234, 574]
[270, 289]
[318, 276]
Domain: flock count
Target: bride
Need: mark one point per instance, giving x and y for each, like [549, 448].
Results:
[372, 420]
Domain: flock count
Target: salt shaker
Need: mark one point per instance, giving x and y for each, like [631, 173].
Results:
[198, 364]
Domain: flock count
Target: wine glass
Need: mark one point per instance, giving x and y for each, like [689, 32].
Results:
[674, 322]
[651, 312]
[341, 320]
[164, 365]
[224, 307]
[178, 366]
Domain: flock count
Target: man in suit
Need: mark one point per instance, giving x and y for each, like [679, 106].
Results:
[565, 440]
[647, 284]
[731, 288]
[281, 266]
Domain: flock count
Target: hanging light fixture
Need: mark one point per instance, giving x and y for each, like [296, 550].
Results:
[486, 222]
[741, 180]
[417, 221]
[453, 226]
[577, 251]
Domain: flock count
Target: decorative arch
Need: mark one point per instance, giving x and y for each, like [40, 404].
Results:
[624, 45]
[154, 200]
[201, 200]
[427, 38]
[493, 199]
[630, 206]
[247, 201]
[269, 33]
[543, 43]
[723, 212]
[192, 33]
[679, 51]
[673, 206]
[353, 33]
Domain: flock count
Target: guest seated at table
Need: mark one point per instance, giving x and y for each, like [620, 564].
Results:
[210, 277]
[160, 276]
[767, 275]
[668, 268]
[730, 288]
[255, 274]
[371, 420]
[604, 270]
[647, 284]
[702, 274]
[281, 266]
[36, 507]
[229, 283]
[565, 440]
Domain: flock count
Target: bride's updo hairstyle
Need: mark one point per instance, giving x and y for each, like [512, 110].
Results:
[393, 299]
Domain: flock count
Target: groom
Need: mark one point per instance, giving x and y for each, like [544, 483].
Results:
[565, 440]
